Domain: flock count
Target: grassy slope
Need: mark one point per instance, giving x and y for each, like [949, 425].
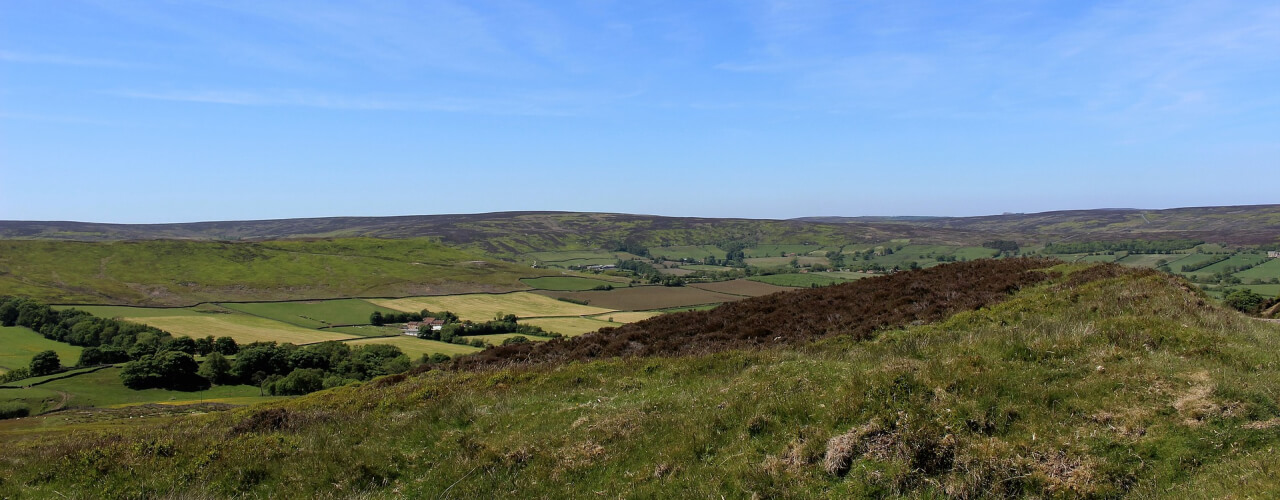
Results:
[185, 272]
[1125, 385]
[18, 345]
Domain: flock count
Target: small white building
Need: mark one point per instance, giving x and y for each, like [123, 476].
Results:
[1273, 254]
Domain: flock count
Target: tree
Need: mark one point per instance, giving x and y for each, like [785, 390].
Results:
[375, 319]
[168, 370]
[216, 369]
[1245, 300]
[226, 345]
[44, 363]
[297, 382]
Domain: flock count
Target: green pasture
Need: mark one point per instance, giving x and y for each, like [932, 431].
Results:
[704, 267]
[691, 252]
[567, 283]
[1191, 260]
[1097, 258]
[1237, 260]
[313, 314]
[785, 261]
[974, 253]
[568, 255]
[781, 250]
[241, 327]
[799, 280]
[18, 345]
[1265, 270]
[852, 275]
[103, 388]
[367, 330]
[1146, 260]
[144, 312]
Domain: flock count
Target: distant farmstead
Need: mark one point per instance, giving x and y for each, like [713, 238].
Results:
[1273, 254]
[415, 327]
[602, 267]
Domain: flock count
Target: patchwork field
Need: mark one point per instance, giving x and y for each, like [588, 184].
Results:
[18, 345]
[313, 314]
[483, 307]
[1192, 260]
[972, 253]
[647, 297]
[745, 287]
[567, 283]
[367, 330]
[243, 328]
[415, 347]
[572, 327]
[1146, 260]
[144, 312]
[703, 267]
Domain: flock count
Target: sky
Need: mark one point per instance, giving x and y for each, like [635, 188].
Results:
[175, 111]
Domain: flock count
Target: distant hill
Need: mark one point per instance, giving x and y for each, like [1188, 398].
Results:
[515, 232]
[1248, 224]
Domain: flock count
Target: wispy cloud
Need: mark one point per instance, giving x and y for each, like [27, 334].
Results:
[62, 60]
[563, 103]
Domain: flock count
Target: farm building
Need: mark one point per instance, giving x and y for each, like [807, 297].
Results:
[414, 327]
[1273, 254]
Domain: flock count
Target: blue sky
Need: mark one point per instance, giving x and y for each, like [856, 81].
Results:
[170, 111]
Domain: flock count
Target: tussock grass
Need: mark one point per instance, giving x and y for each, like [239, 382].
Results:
[1100, 383]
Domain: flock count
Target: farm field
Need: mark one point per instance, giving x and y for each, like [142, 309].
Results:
[366, 330]
[484, 306]
[781, 250]
[1238, 260]
[1265, 270]
[850, 275]
[415, 347]
[567, 283]
[18, 345]
[498, 338]
[799, 280]
[103, 388]
[241, 327]
[568, 258]
[703, 267]
[745, 287]
[1097, 258]
[972, 253]
[143, 312]
[572, 327]
[646, 297]
[783, 261]
[1146, 260]
[689, 252]
[626, 316]
[312, 314]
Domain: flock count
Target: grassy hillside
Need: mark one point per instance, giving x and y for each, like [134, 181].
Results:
[165, 272]
[1098, 383]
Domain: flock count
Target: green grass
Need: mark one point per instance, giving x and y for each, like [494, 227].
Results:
[144, 312]
[780, 250]
[497, 338]
[704, 267]
[691, 252]
[799, 279]
[1125, 386]
[1237, 260]
[18, 345]
[1097, 258]
[1265, 270]
[367, 330]
[784, 261]
[415, 347]
[566, 283]
[974, 253]
[1146, 260]
[241, 327]
[313, 314]
[103, 388]
[183, 272]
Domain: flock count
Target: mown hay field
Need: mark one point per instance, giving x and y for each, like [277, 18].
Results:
[643, 298]
[483, 306]
[744, 287]
[572, 327]
[18, 345]
[415, 347]
[243, 328]
[313, 313]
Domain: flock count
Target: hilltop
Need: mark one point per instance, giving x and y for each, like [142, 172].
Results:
[1087, 381]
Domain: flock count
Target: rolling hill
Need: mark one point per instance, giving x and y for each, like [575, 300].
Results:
[1089, 381]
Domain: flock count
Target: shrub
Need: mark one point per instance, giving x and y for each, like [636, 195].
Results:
[13, 410]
